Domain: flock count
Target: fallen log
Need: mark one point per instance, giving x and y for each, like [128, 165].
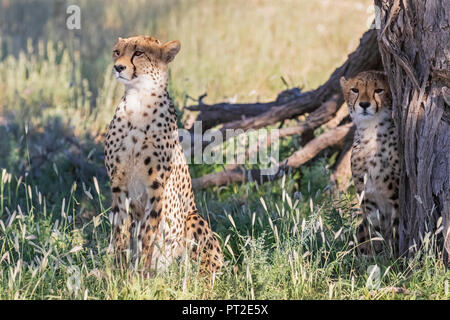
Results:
[212, 115]
[328, 114]
[300, 157]
[258, 115]
[317, 102]
[342, 173]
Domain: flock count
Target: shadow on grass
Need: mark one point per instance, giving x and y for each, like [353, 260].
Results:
[51, 157]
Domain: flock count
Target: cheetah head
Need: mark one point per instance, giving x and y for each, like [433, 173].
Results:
[143, 59]
[367, 95]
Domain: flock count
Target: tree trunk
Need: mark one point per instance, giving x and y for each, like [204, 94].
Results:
[414, 38]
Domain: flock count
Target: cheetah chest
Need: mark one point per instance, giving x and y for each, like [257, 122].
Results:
[370, 166]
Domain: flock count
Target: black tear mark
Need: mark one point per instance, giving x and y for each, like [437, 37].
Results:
[115, 189]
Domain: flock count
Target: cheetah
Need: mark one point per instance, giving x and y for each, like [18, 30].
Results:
[374, 159]
[154, 216]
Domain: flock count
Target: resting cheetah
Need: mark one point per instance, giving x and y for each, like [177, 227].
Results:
[374, 159]
[155, 216]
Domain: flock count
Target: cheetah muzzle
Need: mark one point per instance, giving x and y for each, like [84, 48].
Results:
[155, 216]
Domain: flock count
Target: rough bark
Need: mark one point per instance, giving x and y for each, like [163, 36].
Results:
[414, 43]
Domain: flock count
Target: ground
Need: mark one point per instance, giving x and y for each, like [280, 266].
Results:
[287, 239]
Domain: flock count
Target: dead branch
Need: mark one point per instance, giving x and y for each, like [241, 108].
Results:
[341, 114]
[317, 118]
[323, 103]
[258, 115]
[320, 143]
[327, 114]
[212, 115]
[323, 115]
[297, 159]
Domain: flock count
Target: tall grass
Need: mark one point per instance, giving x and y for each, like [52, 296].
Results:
[276, 247]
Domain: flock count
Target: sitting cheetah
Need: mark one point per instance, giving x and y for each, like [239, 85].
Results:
[374, 158]
[155, 216]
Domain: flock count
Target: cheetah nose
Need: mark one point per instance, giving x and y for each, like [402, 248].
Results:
[364, 105]
[119, 68]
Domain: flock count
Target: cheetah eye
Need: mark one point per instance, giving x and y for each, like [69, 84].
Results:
[138, 53]
[355, 90]
[378, 91]
[116, 53]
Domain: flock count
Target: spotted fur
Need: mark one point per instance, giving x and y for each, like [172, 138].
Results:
[155, 216]
[374, 159]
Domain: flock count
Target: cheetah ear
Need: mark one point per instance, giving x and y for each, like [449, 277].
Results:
[170, 50]
[343, 82]
[119, 40]
[344, 87]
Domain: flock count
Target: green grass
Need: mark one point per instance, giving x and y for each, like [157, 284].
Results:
[276, 247]
[286, 239]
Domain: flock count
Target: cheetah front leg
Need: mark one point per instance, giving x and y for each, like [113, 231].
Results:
[121, 227]
[149, 227]
[378, 221]
[371, 224]
[121, 223]
[203, 244]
